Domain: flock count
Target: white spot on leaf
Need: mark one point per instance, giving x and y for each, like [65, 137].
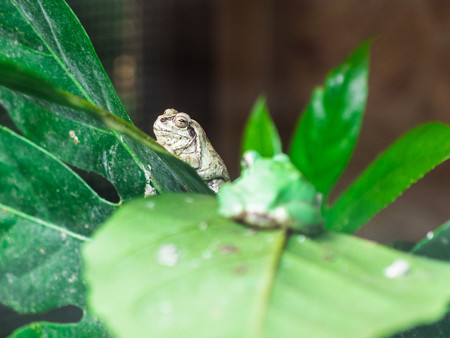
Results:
[149, 190]
[10, 277]
[301, 238]
[206, 254]
[74, 136]
[72, 279]
[397, 269]
[430, 235]
[168, 255]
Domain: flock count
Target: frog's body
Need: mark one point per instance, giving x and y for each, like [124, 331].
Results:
[272, 193]
[186, 139]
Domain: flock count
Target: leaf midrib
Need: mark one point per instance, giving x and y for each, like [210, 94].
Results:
[259, 314]
[57, 59]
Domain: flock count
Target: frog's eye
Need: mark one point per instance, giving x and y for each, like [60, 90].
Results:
[182, 120]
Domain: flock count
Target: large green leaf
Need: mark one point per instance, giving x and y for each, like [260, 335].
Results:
[402, 164]
[47, 39]
[187, 272]
[328, 130]
[47, 213]
[260, 133]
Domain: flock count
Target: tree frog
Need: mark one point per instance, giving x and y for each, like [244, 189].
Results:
[272, 193]
[184, 138]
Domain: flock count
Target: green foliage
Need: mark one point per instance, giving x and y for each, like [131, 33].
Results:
[47, 214]
[328, 130]
[260, 133]
[402, 164]
[187, 271]
[58, 51]
[60, 98]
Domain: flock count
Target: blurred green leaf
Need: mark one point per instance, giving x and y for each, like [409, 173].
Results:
[186, 271]
[441, 329]
[402, 164]
[328, 130]
[436, 245]
[88, 327]
[45, 41]
[47, 213]
[260, 133]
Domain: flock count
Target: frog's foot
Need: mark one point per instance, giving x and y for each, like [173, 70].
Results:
[215, 184]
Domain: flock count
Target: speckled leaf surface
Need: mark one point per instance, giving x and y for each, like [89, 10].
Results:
[187, 272]
[402, 164]
[328, 129]
[46, 214]
[47, 38]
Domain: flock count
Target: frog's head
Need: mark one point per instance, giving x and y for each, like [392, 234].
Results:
[173, 126]
[272, 192]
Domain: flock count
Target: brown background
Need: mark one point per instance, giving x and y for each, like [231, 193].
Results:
[211, 59]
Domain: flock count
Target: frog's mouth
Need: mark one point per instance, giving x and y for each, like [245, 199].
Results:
[172, 137]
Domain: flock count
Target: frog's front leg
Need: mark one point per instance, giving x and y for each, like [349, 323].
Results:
[215, 184]
[191, 159]
[302, 216]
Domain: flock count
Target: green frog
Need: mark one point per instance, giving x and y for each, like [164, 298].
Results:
[272, 193]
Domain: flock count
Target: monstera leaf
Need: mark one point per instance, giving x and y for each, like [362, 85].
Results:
[60, 98]
[47, 213]
[45, 38]
[186, 271]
